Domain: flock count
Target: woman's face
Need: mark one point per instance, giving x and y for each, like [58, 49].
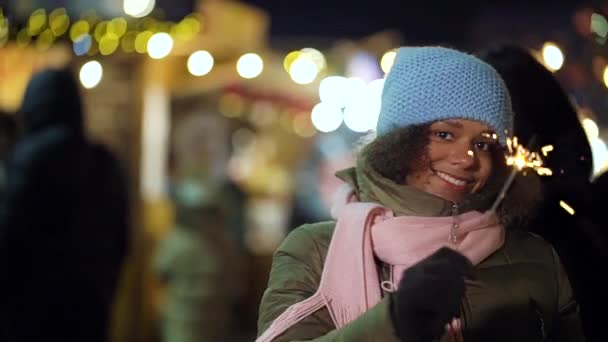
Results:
[459, 160]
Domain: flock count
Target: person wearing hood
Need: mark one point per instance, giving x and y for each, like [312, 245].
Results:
[545, 113]
[414, 253]
[63, 222]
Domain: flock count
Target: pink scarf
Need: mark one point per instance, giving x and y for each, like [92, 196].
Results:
[367, 229]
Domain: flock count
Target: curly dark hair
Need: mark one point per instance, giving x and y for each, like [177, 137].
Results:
[398, 153]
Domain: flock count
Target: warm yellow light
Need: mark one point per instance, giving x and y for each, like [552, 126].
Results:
[250, 65]
[605, 76]
[546, 149]
[590, 128]
[117, 27]
[45, 40]
[100, 30]
[552, 56]
[160, 45]
[567, 207]
[200, 63]
[59, 21]
[108, 44]
[36, 22]
[303, 70]
[23, 38]
[91, 74]
[80, 28]
[141, 41]
[138, 8]
[289, 59]
[387, 60]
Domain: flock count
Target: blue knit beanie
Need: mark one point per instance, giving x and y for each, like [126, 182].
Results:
[428, 84]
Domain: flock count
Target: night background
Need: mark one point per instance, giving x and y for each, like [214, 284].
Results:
[202, 103]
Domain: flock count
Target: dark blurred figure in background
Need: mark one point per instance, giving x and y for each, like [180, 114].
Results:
[63, 223]
[8, 134]
[201, 267]
[543, 110]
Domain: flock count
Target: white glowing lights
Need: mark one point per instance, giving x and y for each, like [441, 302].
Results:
[160, 45]
[250, 65]
[304, 65]
[350, 100]
[138, 8]
[387, 60]
[326, 117]
[303, 71]
[553, 56]
[200, 63]
[91, 74]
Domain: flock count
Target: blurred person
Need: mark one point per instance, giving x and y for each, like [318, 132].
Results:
[544, 111]
[414, 253]
[63, 223]
[8, 134]
[200, 264]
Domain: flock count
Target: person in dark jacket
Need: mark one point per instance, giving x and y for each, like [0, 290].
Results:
[8, 134]
[415, 254]
[545, 112]
[63, 222]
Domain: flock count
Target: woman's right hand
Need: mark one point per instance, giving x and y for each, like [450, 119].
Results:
[429, 295]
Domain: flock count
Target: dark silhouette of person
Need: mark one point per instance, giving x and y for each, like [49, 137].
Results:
[544, 112]
[8, 134]
[63, 223]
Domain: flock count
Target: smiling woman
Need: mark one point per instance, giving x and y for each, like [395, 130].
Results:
[414, 254]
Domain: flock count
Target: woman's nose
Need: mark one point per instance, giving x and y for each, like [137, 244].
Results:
[463, 156]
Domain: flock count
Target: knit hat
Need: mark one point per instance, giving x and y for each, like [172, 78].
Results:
[428, 84]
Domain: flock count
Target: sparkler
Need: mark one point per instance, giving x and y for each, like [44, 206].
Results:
[519, 158]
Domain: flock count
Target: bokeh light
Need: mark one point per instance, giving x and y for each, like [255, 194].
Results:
[108, 44]
[361, 114]
[303, 70]
[326, 117]
[591, 128]
[599, 25]
[45, 40]
[82, 45]
[200, 63]
[117, 27]
[553, 56]
[80, 28]
[387, 60]
[160, 45]
[36, 22]
[91, 74]
[138, 8]
[600, 155]
[334, 90]
[289, 59]
[250, 65]
[141, 41]
[59, 21]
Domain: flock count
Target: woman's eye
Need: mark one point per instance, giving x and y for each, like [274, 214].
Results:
[444, 135]
[483, 146]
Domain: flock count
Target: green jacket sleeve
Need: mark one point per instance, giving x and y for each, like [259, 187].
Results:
[568, 327]
[295, 275]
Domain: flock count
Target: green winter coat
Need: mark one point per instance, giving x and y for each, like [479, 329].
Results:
[521, 292]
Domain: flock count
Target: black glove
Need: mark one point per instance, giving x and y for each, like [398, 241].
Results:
[429, 296]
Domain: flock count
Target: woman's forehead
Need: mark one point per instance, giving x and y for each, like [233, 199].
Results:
[465, 124]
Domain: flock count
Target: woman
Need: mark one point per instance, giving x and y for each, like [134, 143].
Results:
[414, 255]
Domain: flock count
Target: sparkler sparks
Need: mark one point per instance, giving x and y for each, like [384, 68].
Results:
[519, 158]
